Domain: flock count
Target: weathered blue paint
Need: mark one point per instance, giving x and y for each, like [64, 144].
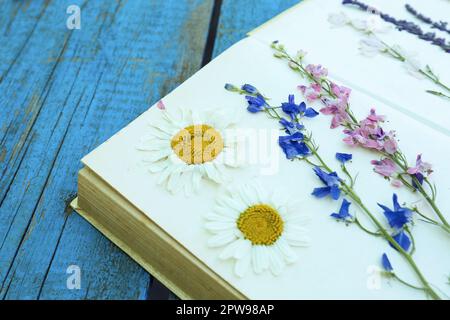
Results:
[62, 93]
[238, 17]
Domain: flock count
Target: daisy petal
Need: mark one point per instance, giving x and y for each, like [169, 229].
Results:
[229, 251]
[244, 249]
[284, 248]
[242, 265]
[276, 262]
[220, 226]
[221, 239]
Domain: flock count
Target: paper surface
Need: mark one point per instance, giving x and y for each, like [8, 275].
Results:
[341, 261]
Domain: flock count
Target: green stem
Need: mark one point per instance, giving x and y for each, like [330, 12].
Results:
[350, 192]
[358, 223]
[406, 283]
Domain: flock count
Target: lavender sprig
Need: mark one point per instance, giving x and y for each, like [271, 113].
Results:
[441, 25]
[401, 25]
[372, 44]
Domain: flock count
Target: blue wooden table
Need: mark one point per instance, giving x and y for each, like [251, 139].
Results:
[63, 91]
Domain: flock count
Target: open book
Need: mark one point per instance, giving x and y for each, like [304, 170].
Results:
[165, 231]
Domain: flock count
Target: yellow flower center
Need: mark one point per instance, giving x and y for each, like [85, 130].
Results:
[197, 144]
[261, 224]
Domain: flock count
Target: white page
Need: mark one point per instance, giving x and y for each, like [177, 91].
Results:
[305, 27]
[339, 261]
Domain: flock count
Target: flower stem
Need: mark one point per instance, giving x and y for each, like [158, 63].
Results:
[384, 233]
[353, 122]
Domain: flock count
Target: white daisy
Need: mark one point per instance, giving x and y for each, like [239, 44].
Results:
[257, 229]
[184, 146]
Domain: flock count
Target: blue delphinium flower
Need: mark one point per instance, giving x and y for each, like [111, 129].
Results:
[293, 145]
[386, 263]
[343, 157]
[398, 217]
[331, 180]
[249, 89]
[255, 104]
[343, 214]
[231, 87]
[293, 110]
[403, 240]
[291, 127]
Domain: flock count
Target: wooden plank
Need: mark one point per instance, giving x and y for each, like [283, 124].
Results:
[238, 17]
[67, 92]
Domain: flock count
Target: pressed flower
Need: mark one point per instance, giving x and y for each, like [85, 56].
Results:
[401, 25]
[317, 71]
[371, 46]
[422, 167]
[291, 127]
[386, 263]
[331, 180]
[403, 241]
[249, 89]
[343, 157]
[160, 105]
[294, 110]
[311, 93]
[385, 167]
[184, 147]
[338, 19]
[230, 87]
[343, 213]
[258, 230]
[255, 103]
[293, 145]
[397, 217]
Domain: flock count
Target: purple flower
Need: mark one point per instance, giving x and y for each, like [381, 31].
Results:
[370, 135]
[403, 241]
[343, 212]
[293, 110]
[317, 71]
[386, 263]
[249, 89]
[338, 109]
[422, 167]
[331, 180]
[291, 127]
[343, 157]
[385, 167]
[311, 93]
[399, 216]
[255, 104]
[293, 145]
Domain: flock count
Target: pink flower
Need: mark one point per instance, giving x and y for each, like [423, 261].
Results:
[338, 110]
[396, 183]
[341, 92]
[312, 92]
[422, 167]
[390, 145]
[374, 117]
[370, 135]
[160, 105]
[385, 167]
[317, 71]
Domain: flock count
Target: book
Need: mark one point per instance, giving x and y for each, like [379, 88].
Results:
[165, 232]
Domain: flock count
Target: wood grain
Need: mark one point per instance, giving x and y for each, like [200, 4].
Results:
[238, 17]
[63, 93]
